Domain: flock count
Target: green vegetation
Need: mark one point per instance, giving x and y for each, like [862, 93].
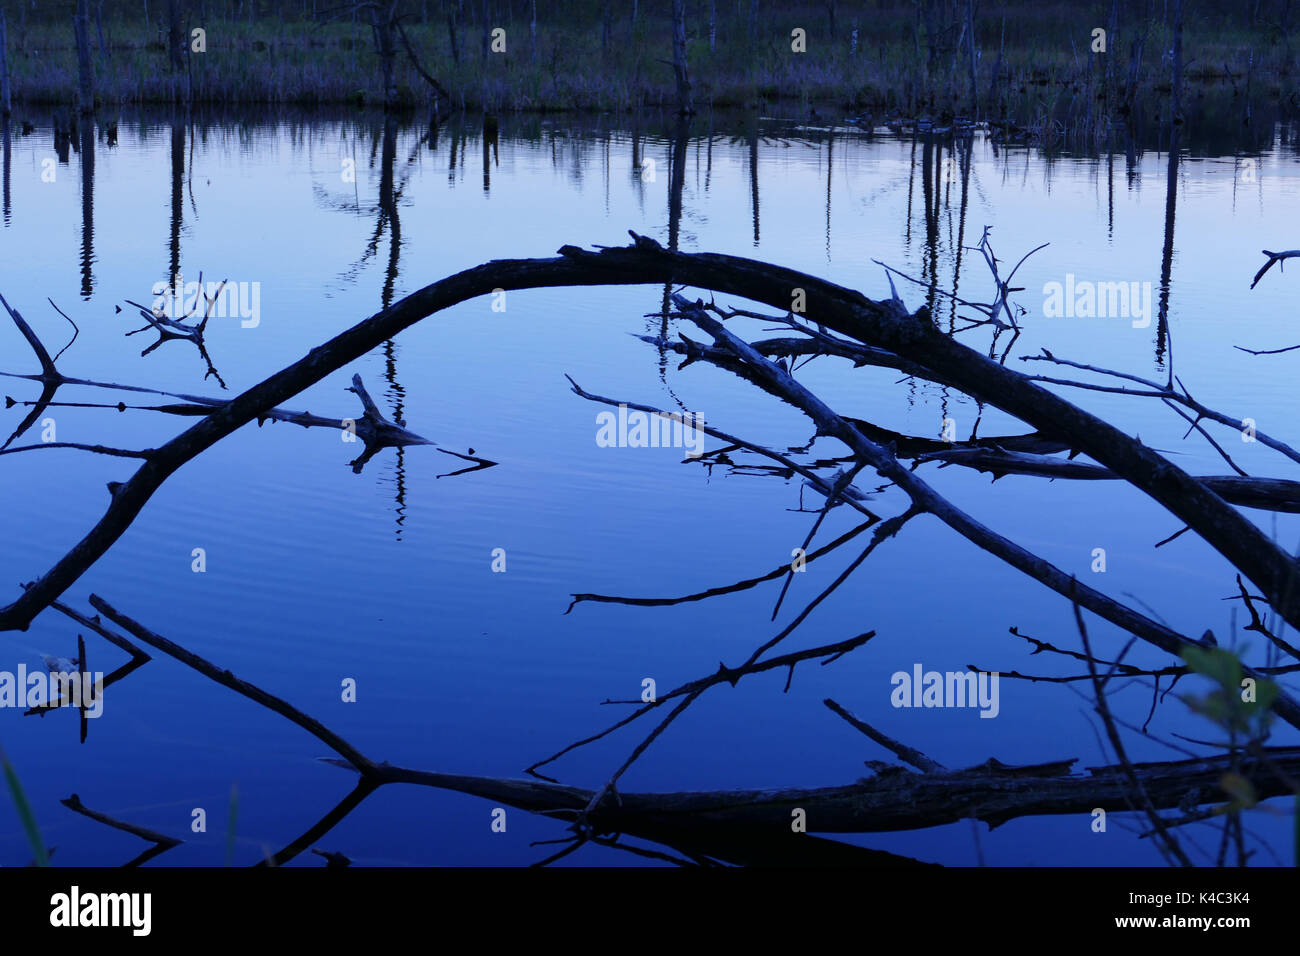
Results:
[1032, 60]
[1242, 709]
[25, 814]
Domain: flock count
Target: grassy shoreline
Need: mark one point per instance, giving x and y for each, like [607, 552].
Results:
[1033, 64]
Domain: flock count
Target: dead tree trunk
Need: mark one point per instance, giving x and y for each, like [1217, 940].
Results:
[1136, 47]
[680, 66]
[931, 35]
[102, 44]
[383, 26]
[4, 69]
[1176, 95]
[487, 31]
[175, 36]
[454, 37]
[970, 48]
[85, 66]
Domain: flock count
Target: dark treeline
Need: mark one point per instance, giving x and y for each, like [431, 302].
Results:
[1015, 60]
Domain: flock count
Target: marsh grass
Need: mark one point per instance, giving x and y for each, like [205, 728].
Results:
[588, 60]
[25, 815]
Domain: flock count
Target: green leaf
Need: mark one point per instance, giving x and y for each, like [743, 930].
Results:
[25, 812]
[1224, 705]
[1220, 665]
[1241, 790]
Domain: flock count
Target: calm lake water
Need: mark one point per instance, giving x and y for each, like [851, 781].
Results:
[315, 575]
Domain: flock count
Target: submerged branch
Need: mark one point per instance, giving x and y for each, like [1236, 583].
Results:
[897, 800]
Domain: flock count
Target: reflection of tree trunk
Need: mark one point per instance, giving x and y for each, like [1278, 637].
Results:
[676, 185]
[388, 212]
[1167, 252]
[753, 177]
[490, 134]
[677, 181]
[1110, 187]
[830, 156]
[8, 159]
[388, 207]
[87, 205]
[85, 68]
[178, 177]
[967, 147]
[398, 394]
[930, 195]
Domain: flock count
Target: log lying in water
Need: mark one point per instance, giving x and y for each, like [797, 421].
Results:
[900, 799]
[895, 798]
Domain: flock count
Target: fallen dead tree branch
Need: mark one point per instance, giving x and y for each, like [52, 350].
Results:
[1274, 259]
[161, 841]
[1267, 494]
[926, 499]
[1153, 390]
[895, 799]
[717, 591]
[373, 427]
[885, 325]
